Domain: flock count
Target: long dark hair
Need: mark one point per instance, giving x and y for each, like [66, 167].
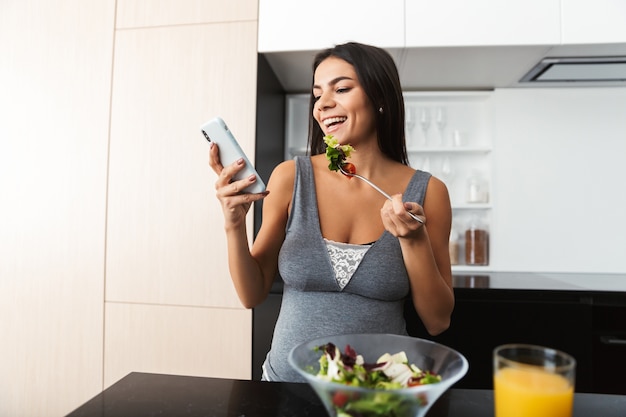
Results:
[379, 77]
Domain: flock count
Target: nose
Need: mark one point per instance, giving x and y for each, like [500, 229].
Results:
[323, 102]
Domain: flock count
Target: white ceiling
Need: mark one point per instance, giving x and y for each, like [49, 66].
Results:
[454, 68]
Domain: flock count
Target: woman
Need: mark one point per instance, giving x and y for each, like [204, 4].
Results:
[348, 256]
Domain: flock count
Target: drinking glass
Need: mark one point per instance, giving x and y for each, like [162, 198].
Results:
[533, 381]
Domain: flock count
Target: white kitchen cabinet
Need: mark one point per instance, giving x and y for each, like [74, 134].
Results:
[286, 25]
[294, 26]
[602, 23]
[482, 22]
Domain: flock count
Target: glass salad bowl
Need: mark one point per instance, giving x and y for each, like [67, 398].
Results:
[343, 400]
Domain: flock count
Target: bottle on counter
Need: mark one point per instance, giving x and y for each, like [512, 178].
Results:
[476, 243]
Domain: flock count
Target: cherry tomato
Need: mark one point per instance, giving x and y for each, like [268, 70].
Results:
[349, 167]
[340, 399]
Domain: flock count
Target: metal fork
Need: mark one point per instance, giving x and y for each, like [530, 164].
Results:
[376, 187]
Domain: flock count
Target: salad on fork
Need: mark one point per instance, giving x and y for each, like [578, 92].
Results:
[337, 154]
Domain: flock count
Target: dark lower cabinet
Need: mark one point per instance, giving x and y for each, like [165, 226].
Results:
[591, 326]
[263, 320]
[609, 344]
[484, 319]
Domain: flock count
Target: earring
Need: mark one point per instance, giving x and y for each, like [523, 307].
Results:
[380, 110]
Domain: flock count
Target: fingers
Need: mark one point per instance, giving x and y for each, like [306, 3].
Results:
[235, 202]
[232, 201]
[237, 188]
[226, 183]
[214, 158]
[415, 211]
[397, 218]
[401, 209]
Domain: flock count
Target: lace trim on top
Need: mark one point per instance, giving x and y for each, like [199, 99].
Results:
[345, 258]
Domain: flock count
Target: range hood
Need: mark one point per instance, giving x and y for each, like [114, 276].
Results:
[580, 69]
[477, 67]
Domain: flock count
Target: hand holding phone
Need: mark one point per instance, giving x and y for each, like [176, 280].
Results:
[215, 130]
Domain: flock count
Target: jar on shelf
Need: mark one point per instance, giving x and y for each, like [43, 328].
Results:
[477, 189]
[476, 243]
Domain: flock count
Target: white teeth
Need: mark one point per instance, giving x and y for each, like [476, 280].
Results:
[332, 120]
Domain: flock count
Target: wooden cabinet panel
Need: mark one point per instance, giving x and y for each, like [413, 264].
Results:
[145, 13]
[165, 238]
[195, 341]
[286, 25]
[482, 22]
[55, 79]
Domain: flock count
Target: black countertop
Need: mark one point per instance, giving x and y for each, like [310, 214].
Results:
[142, 394]
[571, 282]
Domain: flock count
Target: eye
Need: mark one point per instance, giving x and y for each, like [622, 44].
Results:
[316, 98]
[342, 90]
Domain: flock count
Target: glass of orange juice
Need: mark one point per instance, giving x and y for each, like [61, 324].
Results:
[533, 381]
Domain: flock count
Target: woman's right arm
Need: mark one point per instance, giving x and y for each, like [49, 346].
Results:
[253, 271]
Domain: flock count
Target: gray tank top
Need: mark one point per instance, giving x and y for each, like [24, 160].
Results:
[314, 304]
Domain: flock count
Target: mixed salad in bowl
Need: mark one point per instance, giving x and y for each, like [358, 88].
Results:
[377, 374]
[388, 372]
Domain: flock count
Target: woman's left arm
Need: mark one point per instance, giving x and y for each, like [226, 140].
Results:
[426, 252]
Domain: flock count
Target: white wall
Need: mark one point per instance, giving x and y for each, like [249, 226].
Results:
[559, 170]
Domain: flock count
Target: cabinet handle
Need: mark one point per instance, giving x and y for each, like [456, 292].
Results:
[608, 340]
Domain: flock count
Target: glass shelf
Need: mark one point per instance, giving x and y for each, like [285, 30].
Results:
[451, 150]
[471, 206]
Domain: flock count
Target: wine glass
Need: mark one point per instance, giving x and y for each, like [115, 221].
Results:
[440, 120]
[409, 121]
[425, 121]
[447, 172]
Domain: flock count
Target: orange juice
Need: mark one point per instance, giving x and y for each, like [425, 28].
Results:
[532, 392]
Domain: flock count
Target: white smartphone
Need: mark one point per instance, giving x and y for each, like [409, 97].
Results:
[215, 130]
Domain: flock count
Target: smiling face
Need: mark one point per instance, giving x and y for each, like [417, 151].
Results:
[342, 108]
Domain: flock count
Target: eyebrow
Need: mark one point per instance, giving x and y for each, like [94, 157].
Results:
[335, 81]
